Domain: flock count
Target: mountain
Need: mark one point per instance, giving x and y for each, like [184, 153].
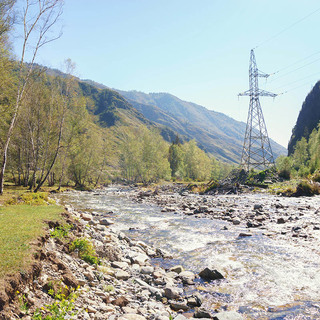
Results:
[215, 132]
[308, 118]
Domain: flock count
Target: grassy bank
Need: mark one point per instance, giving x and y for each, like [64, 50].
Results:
[20, 225]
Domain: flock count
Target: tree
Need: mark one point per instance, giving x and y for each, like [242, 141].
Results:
[38, 18]
[197, 164]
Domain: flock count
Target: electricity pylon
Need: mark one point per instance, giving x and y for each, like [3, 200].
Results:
[256, 152]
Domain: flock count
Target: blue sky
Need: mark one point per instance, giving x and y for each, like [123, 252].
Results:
[197, 50]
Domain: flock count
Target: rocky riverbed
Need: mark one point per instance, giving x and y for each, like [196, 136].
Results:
[213, 260]
[277, 216]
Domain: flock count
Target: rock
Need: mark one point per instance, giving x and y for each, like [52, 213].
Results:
[147, 270]
[173, 292]
[129, 310]
[228, 315]
[187, 277]
[180, 317]
[120, 301]
[280, 221]
[122, 275]
[91, 309]
[243, 235]
[86, 217]
[177, 269]
[202, 313]
[179, 305]
[236, 221]
[89, 275]
[106, 222]
[158, 293]
[133, 316]
[140, 259]
[210, 274]
[257, 207]
[119, 265]
[112, 253]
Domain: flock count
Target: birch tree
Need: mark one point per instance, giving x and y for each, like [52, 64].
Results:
[38, 17]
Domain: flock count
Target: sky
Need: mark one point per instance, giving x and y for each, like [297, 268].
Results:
[197, 50]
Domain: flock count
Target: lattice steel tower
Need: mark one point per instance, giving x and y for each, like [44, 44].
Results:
[256, 151]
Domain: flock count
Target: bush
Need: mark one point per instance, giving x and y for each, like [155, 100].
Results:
[285, 174]
[316, 177]
[305, 188]
[61, 231]
[38, 198]
[85, 250]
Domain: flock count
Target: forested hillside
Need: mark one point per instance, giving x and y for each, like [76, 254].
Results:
[304, 146]
[215, 132]
[308, 118]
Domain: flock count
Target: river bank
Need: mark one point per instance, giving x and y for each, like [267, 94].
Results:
[125, 286]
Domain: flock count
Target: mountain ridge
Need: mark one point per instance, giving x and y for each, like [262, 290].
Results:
[215, 132]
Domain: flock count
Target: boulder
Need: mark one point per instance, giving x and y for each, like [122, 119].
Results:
[179, 305]
[177, 269]
[122, 275]
[187, 277]
[106, 222]
[210, 274]
[203, 313]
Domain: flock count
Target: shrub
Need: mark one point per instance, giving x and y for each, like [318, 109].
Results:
[316, 177]
[38, 198]
[85, 250]
[61, 231]
[285, 174]
[62, 308]
[305, 188]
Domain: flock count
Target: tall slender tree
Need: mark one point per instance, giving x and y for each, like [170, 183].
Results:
[38, 17]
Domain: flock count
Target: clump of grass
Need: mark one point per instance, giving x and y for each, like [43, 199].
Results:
[108, 288]
[61, 231]
[85, 250]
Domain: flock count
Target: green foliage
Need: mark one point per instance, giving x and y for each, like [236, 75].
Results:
[24, 306]
[308, 118]
[108, 288]
[305, 159]
[144, 156]
[31, 198]
[62, 308]
[85, 250]
[61, 231]
[306, 188]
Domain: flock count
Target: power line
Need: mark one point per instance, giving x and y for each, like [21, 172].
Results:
[288, 84]
[294, 63]
[289, 27]
[305, 65]
[302, 85]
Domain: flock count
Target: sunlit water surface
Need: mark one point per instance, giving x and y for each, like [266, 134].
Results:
[265, 278]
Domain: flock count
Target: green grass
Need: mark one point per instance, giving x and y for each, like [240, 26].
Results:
[19, 226]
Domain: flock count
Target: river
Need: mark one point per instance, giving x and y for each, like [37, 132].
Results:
[265, 277]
